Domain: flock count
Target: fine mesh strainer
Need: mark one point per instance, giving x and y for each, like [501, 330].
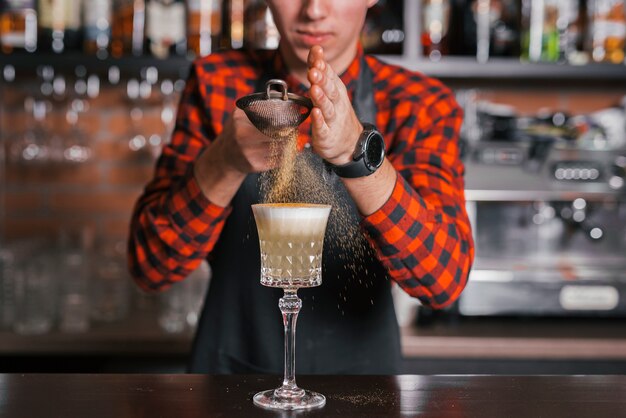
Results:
[276, 113]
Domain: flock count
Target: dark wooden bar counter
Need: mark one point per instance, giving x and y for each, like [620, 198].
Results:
[190, 396]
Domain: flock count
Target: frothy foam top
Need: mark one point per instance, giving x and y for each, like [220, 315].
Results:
[291, 218]
[291, 210]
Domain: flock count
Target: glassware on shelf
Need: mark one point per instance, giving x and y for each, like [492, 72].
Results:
[197, 284]
[74, 254]
[75, 146]
[35, 289]
[180, 306]
[110, 292]
[291, 238]
[7, 288]
[74, 298]
[137, 140]
[172, 310]
[167, 113]
[32, 146]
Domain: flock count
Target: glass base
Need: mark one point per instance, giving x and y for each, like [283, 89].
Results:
[289, 399]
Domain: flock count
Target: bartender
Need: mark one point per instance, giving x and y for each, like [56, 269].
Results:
[388, 138]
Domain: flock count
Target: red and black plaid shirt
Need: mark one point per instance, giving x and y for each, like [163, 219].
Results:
[421, 234]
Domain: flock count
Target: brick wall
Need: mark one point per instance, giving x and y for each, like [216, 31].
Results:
[42, 199]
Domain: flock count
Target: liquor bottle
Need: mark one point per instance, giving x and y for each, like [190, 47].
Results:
[435, 24]
[607, 36]
[97, 26]
[540, 39]
[504, 28]
[383, 31]
[260, 31]
[571, 31]
[204, 26]
[18, 25]
[127, 28]
[485, 28]
[233, 24]
[59, 25]
[165, 27]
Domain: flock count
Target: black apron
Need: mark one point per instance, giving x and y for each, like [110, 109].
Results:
[346, 326]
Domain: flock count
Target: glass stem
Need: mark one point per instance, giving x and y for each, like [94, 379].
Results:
[290, 306]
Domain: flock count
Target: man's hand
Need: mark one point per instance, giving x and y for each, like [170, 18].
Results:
[336, 127]
[240, 149]
[243, 148]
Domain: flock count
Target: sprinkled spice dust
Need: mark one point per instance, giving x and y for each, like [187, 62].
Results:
[301, 177]
[377, 397]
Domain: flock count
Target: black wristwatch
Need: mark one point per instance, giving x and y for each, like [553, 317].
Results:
[368, 155]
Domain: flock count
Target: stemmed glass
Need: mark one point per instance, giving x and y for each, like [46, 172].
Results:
[291, 237]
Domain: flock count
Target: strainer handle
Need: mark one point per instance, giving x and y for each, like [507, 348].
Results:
[277, 82]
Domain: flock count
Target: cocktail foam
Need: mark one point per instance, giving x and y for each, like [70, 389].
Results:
[291, 219]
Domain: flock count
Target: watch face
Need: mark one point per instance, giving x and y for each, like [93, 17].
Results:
[374, 150]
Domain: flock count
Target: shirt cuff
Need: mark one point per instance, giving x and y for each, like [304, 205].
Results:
[192, 213]
[401, 217]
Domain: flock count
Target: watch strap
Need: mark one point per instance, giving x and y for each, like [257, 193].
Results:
[357, 167]
[351, 170]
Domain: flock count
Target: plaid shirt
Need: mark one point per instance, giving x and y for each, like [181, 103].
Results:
[421, 234]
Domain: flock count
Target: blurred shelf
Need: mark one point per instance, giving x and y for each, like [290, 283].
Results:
[131, 66]
[139, 334]
[519, 339]
[465, 338]
[460, 69]
[515, 72]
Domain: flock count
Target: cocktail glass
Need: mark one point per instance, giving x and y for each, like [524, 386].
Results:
[291, 236]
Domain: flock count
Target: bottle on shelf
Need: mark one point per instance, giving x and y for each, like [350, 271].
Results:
[127, 28]
[486, 28]
[540, 40]
[435, 24]
[248, 24]
[607, 30]
[165, 28]
[204, 26]
[97, 27]
[383, 31]
[233, 23]
[551, 30]
[571, 32]
[260, 31]
[59, 25]
[18, 25]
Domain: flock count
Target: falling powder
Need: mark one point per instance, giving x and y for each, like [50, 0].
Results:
[302, 177]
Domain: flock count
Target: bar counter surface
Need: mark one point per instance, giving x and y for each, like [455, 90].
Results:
[190, 396]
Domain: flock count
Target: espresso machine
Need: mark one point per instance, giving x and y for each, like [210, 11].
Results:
[549, 224]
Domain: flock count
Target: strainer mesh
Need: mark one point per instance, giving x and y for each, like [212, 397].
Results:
[275, 114]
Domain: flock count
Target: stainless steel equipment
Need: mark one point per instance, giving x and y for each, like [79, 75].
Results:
[549, 224]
